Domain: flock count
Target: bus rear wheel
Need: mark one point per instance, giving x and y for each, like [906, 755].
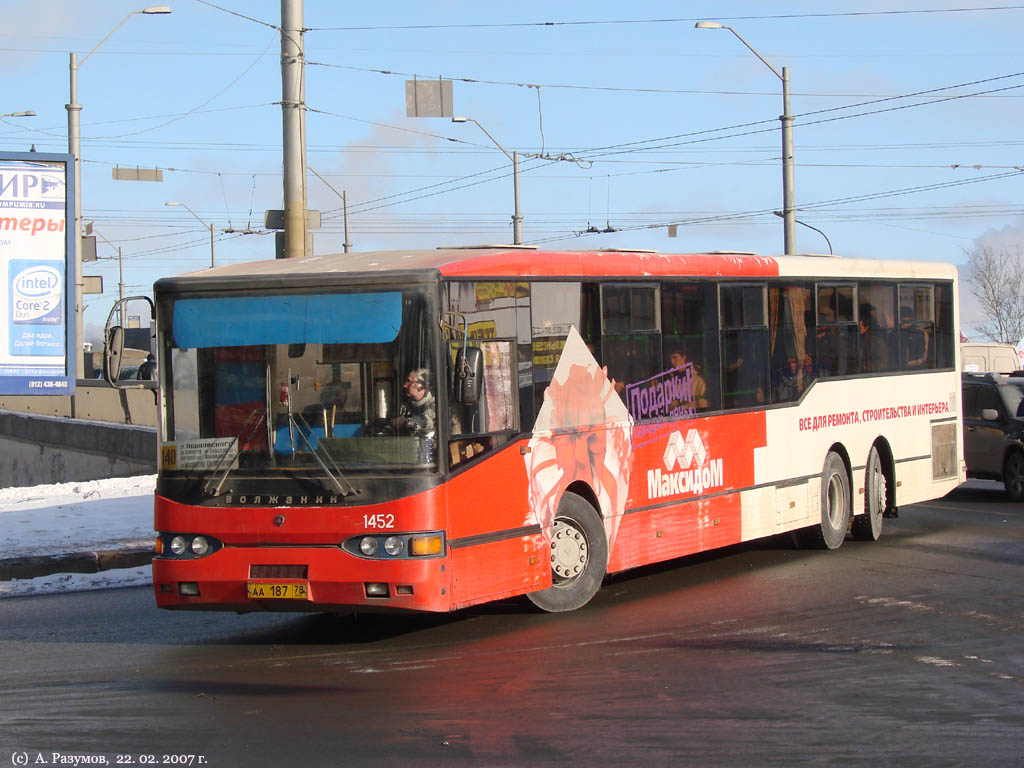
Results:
[867, 526]
[579, 557]
[835, 506]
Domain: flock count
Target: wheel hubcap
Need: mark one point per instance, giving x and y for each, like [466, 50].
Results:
[569, 551]
[836, 500]
[878, 481]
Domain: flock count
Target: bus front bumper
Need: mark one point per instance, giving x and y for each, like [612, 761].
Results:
[318, 579]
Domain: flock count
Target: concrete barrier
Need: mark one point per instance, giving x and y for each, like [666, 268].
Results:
[94, 400]
[37, 449]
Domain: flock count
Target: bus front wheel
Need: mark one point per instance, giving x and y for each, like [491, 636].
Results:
[579, 556]
[835, 506]
[867, 526]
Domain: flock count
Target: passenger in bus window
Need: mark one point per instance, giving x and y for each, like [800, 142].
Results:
[417, 415]
[913, 340]
[874, 352]
[809, 369]
[787, 382]
[697, 390]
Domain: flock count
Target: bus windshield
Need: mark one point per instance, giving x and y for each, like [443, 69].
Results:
[327, 382]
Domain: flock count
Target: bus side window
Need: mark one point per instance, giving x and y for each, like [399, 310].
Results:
[689, 327]
[837, 330]
[790, 340]
[744, 346]
[877, 319]
[631, 342]
[487, 315]
[917, 326]
[477, 428]
[945, 336]
[554, 309]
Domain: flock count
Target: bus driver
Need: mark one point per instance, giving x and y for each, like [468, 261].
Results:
[417, 414]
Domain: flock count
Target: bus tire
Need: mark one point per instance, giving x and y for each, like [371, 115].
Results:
[867, 526]
[835, 506]
[579, 557]
[1013, 475]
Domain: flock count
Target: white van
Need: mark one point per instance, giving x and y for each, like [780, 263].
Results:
[989, 358]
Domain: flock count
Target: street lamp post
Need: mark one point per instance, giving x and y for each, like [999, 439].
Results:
[788, 208]
[805, 224]
[517, 219]
[205, 225]
[75, 149]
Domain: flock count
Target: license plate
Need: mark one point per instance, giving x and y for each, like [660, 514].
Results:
[266, 591]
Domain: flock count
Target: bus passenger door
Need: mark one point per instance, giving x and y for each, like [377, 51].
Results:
[494, 552]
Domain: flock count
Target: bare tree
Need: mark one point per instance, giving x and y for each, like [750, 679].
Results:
[996, 279]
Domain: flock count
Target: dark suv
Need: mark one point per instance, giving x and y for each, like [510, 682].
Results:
[994, 428]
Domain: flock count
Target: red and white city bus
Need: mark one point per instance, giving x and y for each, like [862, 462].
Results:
[429, 430]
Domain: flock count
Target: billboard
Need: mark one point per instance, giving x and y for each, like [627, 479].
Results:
[37, 321]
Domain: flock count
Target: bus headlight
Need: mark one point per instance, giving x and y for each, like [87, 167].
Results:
[368, 546]
[200, 546]
[393, 546]
[186, 546]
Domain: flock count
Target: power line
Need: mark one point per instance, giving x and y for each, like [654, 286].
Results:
[607, 88]
[810, 206]
[773, 17]
[814, 112]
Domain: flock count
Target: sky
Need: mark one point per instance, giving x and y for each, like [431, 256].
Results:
[629, 119]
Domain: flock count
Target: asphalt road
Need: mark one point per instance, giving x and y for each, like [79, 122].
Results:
[907, 651]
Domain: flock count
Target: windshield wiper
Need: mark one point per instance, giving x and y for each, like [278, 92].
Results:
[299, 424]
[247, 426]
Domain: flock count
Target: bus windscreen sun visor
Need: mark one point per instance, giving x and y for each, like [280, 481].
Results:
[238, 321]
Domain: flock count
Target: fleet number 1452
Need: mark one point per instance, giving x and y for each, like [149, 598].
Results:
[379, 521]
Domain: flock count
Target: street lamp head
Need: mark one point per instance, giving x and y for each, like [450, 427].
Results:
[460, 119]
[708, 25]
[26, 113]
[154, 9]
[172, 202]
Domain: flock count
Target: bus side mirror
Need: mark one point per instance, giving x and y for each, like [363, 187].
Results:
[989, 414]
[120, 317]
[469, 370]
[113, 351]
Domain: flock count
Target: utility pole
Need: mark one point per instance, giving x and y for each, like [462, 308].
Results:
[786, 118]
[75, 150]
[788, 206]
[293, 114]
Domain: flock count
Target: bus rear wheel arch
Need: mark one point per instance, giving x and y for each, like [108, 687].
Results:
[579, 556]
